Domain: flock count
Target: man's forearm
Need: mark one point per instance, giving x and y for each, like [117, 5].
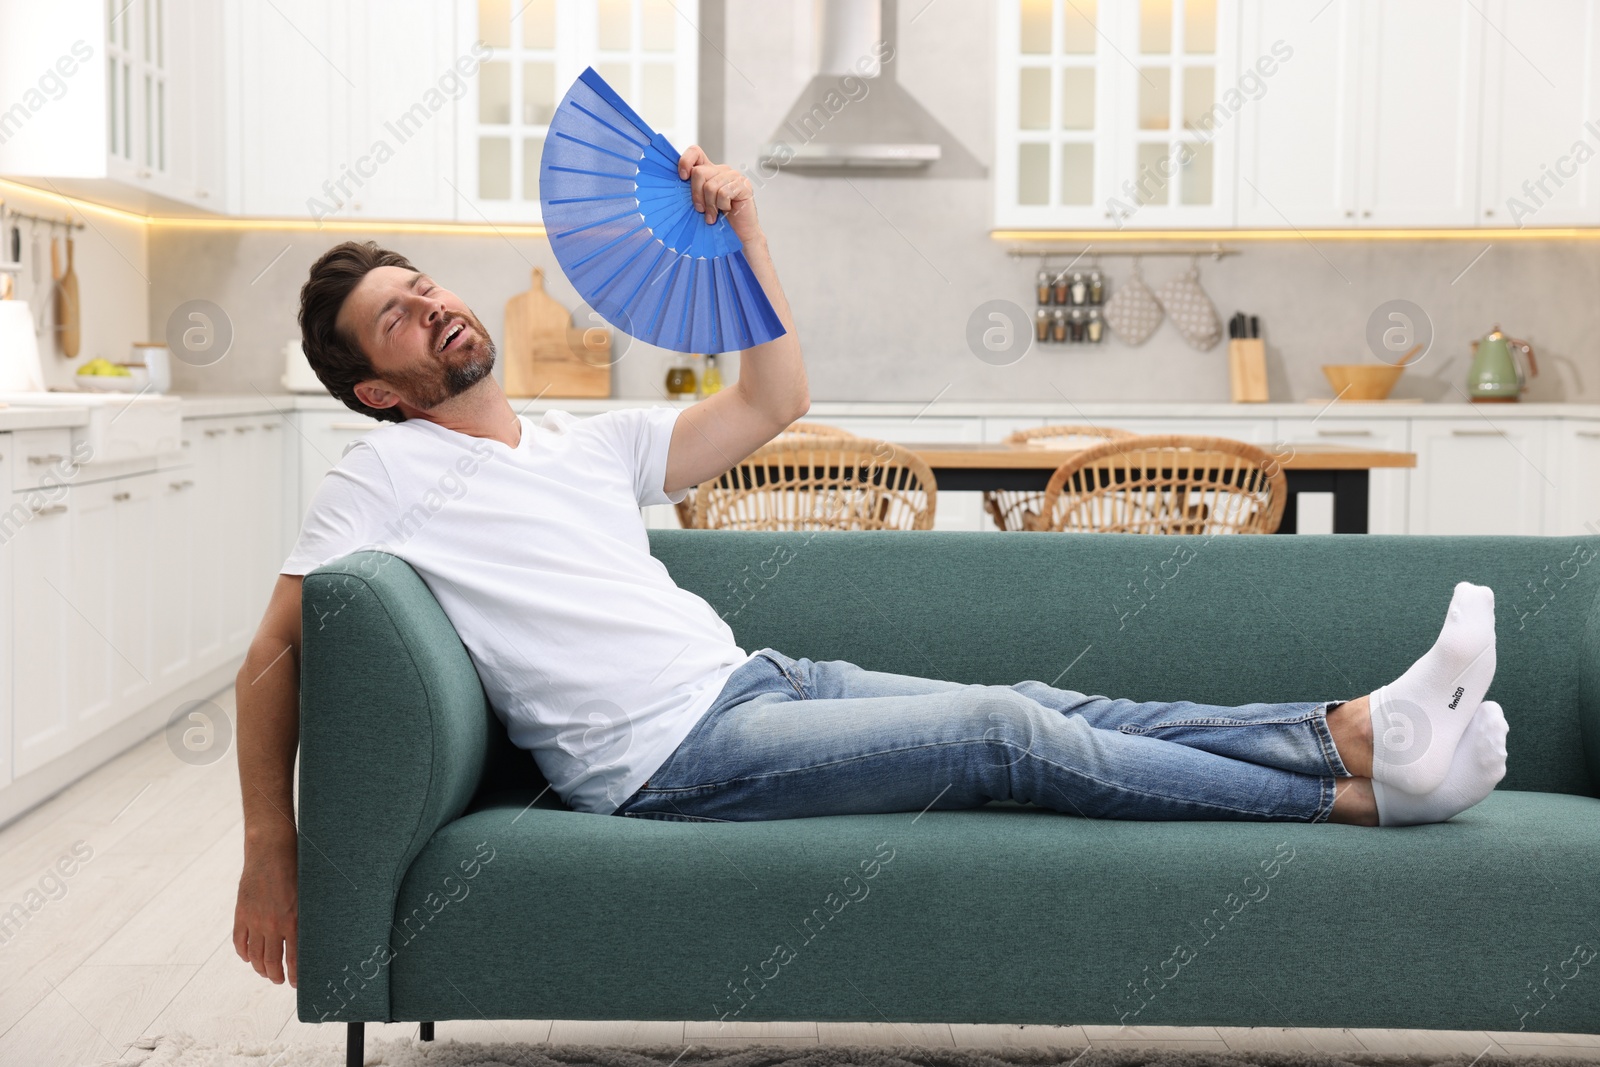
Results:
[772, 376]
[268, 696]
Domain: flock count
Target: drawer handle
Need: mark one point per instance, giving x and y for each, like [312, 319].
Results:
[269, 426]
[1588, 433]
[54, 457]
[186, 483]
[124, 495]
[243, 429]
[51, 510]
[216, 430]
[1477, 433]
[1344, 433]
[350, 425]
[186, 444]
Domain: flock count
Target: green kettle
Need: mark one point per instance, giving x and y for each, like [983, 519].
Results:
[1495, 375]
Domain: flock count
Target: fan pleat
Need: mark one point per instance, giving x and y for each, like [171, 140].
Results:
[623, 227]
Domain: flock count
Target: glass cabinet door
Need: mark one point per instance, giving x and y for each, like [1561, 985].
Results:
[1107, 113]
[137, 98]
[646, 49]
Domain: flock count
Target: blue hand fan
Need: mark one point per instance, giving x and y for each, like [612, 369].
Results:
[625, 231]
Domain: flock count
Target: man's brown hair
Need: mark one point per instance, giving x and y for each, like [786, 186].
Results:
[337, 360]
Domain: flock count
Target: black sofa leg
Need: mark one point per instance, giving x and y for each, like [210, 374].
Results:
[427, 1031]
[352, 1046]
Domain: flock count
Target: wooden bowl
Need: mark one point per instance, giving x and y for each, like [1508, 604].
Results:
[1362, 381]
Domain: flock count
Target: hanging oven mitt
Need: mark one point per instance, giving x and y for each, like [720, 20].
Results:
[1133, 313]
[1191, 310]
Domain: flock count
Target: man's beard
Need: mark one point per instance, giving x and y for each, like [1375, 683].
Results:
[432, 385]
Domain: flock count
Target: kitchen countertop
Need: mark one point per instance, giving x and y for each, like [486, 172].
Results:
[202, 405]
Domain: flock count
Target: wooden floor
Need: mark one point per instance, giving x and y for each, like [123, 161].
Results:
[137, 941]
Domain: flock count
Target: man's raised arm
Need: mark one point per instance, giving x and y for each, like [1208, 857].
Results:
[771, 391]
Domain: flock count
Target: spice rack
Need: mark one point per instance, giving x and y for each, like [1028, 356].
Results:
[1070, 300]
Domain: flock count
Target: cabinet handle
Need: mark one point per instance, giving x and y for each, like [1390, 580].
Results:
[1366, 214]
[350, 425]
[1477, 433]
[1488, 212]
[243, 429]
[124, 495]
[1349, 214]
[1587, 433]
[269, 426]
[216, 430]
[201, 193]
[1344, 433]
[53, 457]
[186, 444]
[186, 483]
[51, 510]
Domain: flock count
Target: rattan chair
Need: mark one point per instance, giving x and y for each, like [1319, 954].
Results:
[1166, 484]
[1013, 509]
[802, 481]
[685, 507]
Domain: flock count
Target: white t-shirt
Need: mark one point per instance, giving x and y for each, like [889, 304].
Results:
[590, 654]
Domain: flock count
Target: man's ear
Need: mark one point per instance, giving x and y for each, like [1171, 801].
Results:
[375, 395]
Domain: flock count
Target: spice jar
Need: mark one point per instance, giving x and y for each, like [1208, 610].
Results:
[1058, 325]
[1041, 324]
[1097, 288]
[1095, 328]
[1043, 283]
[1079, 289]
[1077, 324]
[1061, 288]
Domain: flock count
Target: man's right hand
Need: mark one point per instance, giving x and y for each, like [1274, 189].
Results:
[265, 920]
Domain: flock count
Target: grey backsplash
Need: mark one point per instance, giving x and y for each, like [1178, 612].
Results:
[883, 273]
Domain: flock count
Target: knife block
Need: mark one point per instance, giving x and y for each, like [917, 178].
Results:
[1247, 369]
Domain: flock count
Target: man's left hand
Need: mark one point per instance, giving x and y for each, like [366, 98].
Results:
[718, 187]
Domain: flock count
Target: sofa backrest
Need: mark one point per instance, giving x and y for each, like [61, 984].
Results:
[1220, 619]
[1223, 619]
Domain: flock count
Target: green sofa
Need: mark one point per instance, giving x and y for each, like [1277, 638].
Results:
[441, 879]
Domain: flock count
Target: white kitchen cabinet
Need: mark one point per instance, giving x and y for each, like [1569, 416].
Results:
[1388, 488]
[1572, 499]
[8, 530]
[1299, 138]
[179, 567]
[1421, 103]
[135, 510]
[90, 586]
[399, 160]
[1476, 476]
[295, 89]
[212, 556]
[45, 628]
[264, 443]
[1373, 121]
[323, 438]
[1115, 114]
[139, 121]
[1541, 98]
[647, 50]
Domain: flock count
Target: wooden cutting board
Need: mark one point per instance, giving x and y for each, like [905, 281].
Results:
[66, 303]
[545, 355]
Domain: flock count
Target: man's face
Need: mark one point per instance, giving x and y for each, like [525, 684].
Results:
[425, 345]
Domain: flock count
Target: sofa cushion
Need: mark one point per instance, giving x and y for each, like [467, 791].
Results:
[1006, 913]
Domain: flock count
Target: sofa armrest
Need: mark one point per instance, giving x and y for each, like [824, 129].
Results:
[394, 732]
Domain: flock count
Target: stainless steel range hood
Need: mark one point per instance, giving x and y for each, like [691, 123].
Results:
[854, 113]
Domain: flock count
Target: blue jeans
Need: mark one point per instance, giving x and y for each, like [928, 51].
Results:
[793, 738]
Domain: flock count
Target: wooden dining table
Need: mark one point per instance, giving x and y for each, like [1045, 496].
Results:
[1309, 467]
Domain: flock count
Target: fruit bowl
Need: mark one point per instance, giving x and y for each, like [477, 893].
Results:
[1362, 381]
[136, 378]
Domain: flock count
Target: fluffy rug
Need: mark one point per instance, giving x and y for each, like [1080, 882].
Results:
[179, 1050]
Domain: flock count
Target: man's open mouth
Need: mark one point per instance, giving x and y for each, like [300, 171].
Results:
[452, 335]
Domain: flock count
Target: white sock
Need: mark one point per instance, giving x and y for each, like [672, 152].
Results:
[1480, 762]
[1418, 718]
